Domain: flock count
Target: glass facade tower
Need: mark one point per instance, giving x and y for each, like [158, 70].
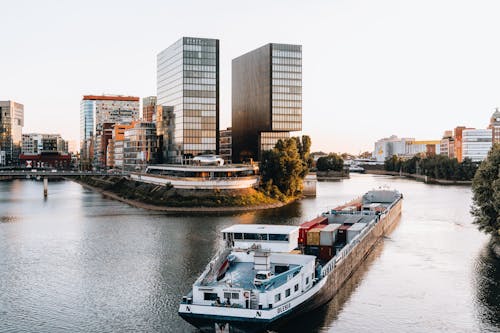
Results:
[188, 84]
[266, 98]
[11, 125]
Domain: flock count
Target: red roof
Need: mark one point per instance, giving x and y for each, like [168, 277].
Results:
[110, 98]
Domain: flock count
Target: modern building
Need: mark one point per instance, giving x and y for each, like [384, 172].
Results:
[115, 146]
[225, 145]
[458, 137]
[422, 147]
[140, 146]
[447, 144]
[476, 143]
[495, 126]
[11, 126]
[188, 85]
[266, 98]
[149, 109]
[35, 143]
[97, 115]
[387, 147]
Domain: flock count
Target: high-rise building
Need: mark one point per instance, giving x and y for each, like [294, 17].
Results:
[495, 126]
[97, 115]
[149, 109]
[266, 98]
[11, 125]
[476, 143]
[188, 84]
[225, 145]
[140, 146]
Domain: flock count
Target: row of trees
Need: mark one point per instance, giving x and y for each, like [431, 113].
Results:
[486, 194]
[438, 167]
[284, 168]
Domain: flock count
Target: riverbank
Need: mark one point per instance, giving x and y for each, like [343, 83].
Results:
[167, 199]
[421, 178]
[331, 175]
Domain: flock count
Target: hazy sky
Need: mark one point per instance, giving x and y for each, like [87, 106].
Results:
[413, 68]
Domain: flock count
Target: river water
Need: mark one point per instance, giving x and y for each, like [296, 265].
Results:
[79, 262]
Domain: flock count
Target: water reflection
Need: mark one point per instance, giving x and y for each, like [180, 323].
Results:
[487, 285]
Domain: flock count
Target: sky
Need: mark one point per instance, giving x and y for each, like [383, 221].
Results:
[413, 68]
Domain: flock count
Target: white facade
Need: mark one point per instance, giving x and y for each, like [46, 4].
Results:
[387, 147]
[476, 143]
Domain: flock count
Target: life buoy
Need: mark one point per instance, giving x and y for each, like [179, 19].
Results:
[246, 294]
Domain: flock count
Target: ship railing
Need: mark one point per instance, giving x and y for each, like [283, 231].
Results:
[210, 273]
[280, 278]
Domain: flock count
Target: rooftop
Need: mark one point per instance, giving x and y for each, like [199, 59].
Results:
[261, 228]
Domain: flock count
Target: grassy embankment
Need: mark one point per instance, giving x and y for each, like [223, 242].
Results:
[167, 196]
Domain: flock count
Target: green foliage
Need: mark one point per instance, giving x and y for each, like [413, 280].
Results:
[437, 167]
[331, 162]
[284, 168]
[486, 193]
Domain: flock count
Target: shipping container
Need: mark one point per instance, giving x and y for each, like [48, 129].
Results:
[326, 252]
[312, 250]
[342, 234]
[327, 234]
[354, 230]
[304, 227]
[312, 237]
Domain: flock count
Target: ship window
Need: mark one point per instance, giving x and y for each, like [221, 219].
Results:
[238, 235]
[278, 237]
[227, 295]
[210, 296]
[250, 236]
[235, 295]
[224, 236]
[296, 288]
[307, 280]
[277, 298]
[287, 293]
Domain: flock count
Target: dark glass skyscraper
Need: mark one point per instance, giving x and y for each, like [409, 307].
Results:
[188, 84]
[266, 98]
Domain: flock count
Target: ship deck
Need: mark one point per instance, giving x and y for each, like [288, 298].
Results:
[242, 274]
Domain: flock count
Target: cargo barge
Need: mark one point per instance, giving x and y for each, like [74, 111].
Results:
[266, 274]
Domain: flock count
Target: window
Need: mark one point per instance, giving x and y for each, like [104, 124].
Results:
[251, 236]
[210, 296]
[238, 235]
[287, 292]
[277, 298]
[307, 280]
[235, 296]
[296, 288]
[278, 237]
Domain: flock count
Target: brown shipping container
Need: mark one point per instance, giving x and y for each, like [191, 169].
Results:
[326, 252]
[313, 236]
[304, 227]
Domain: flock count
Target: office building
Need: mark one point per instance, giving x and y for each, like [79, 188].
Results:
[115, 146]
[11, 125]
[387, 147]
[476, 143]
[447, 145]
[140, 146]
[188, 85]
[495, 126]
[266, 98]
[98, 113]
[149, 109]
[225, 145]
[35, 143]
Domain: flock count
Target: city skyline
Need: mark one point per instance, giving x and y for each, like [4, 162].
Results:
[370, 70]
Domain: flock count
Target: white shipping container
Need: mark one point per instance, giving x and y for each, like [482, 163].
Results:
[354, 230]
[327, 234]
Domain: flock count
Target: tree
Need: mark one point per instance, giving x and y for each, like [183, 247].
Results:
[283, 169]
[332, 162]
[486, 193]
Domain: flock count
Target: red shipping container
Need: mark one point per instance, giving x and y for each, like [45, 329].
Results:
[304, 227]
[326, 252]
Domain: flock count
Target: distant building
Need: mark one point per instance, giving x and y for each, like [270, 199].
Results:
[11, 125]
[115, 146]
[422, 147]
[495, 126]
[188, 85]
[447, 145]
[35, 143]
[46, 159]
[266, 98]
[387, 147]
[476, 144]
[149, 109]
[140, 146]
[458, 137]
[225, 145]
[107, 110]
